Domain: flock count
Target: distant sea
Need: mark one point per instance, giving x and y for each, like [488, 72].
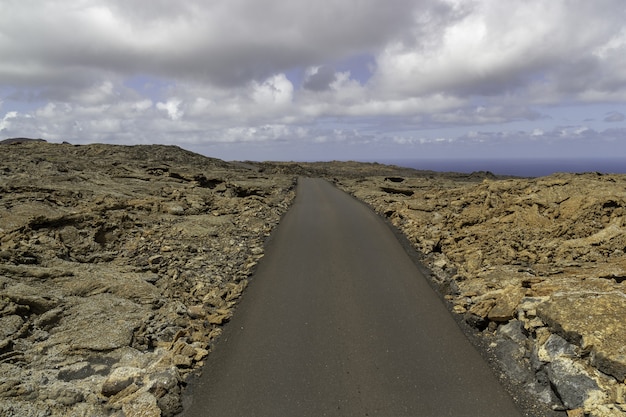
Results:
[517, 167]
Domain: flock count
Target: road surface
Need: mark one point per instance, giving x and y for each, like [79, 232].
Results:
[338, 321]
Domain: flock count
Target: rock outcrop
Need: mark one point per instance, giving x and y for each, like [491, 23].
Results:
[118, 266]
[536, 265]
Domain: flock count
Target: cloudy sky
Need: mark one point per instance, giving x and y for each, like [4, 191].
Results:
[330, 79]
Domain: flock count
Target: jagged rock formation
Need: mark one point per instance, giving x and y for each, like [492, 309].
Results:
[118, 266]
[537, 265]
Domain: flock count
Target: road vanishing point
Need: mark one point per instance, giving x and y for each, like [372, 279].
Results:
[339, 321]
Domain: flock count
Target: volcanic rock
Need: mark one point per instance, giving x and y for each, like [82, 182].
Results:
[111, 260]
[547, 253]
[120, 264]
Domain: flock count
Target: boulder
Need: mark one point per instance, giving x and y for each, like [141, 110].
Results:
[593, 321]
[572, 383]
[120, 379]
[99, 323]
[506, 304]
[143, 405]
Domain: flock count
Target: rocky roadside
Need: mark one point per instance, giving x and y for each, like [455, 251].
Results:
[118, 267]
[537, 266]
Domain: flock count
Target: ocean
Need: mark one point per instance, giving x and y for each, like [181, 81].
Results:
[517, 167]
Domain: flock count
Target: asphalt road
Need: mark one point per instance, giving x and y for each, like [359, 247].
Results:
[338, 321]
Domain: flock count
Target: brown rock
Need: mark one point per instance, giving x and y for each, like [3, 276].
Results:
[99, 323]
[143, 405]
[78, 243]
[120, 379]
[101, 249]
[506, 304]
[9, 325]
[483, 308]
[220, 316]
[595, 322]
[196, 311]
[558, 241]
[37, 301]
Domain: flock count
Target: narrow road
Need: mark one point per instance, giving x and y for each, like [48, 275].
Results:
[338, 321]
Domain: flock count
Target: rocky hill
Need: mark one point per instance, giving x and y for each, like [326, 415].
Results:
[120, 264]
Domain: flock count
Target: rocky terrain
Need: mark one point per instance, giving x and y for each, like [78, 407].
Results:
[536, 265]
[119, 265]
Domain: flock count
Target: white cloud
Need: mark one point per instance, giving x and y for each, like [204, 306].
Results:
[422, 46]
[5, 123]
[613, 47]
[275, 91]
[494, 49]
[225, 43]
[270, 132]
[96, 94]
[141, 105]
[480, 115]
[48, 111]
[172, 107]
[247, 71]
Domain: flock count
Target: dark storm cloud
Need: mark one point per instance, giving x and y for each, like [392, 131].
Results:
[321, 80]
[226, 43]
